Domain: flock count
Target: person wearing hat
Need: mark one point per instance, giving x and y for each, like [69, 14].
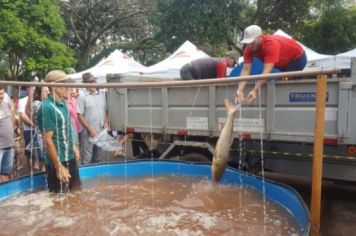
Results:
[54, 123]
[274, 51]
[93, 116]
[209, 67]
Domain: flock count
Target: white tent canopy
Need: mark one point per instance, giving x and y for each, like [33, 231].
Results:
[116, 62]
[169, 68]
[343, 60]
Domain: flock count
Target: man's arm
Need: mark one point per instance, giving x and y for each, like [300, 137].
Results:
[80, 111]
[267, 68]
[246, 70]
[76, 152]
[12, 112]
[28, 108]
[85, 124]
[24, 118]
[106, 122]
[62, 173]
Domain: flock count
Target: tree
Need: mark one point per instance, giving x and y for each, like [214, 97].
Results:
[280, 14]
[217, 26]
[334, 32]
[30, 38]
[209, 24]
[98, 25]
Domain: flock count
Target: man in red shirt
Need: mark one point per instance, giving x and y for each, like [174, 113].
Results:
[274, 51]
[208, 68]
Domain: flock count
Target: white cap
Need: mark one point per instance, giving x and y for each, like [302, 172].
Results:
[251, 33]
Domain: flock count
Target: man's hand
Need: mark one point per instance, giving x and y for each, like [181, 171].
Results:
[92, 131]
[239, 98]
[76, 152]
[251, 96]
[106, 124]
[63, 174]
[30, 90]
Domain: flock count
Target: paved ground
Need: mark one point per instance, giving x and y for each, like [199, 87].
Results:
[338, 203]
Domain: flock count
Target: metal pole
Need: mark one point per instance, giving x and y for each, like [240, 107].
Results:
[318, 154]
[180, 83]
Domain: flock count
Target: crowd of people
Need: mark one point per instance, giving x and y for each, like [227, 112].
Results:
[56, 126]
[58, 122]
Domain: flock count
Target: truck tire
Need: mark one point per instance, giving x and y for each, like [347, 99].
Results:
[195, 157]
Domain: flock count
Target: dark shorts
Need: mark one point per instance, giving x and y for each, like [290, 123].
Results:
[186, 72]
[54, 184]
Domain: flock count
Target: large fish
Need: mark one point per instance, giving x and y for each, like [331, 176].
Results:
[224, 142]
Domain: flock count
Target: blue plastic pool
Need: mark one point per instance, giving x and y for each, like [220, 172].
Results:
[283, 195]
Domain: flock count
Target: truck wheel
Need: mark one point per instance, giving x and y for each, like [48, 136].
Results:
[195, 157]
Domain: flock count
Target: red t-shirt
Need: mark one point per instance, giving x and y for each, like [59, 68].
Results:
[275, 49]
[221, 69]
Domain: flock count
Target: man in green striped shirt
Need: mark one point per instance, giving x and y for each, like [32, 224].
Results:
[54, 122]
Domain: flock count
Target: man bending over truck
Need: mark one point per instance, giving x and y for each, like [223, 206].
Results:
[274, 51]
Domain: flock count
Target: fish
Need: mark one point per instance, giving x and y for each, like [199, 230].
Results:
[222, 148]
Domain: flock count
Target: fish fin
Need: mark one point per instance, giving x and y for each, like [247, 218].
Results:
[230, 107]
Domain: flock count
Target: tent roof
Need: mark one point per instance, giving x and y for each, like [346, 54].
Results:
[169, 68]
[116, 62]
[343, 60]
[351, 53]
[311, 54]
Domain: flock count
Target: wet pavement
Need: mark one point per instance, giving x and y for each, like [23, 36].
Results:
[338, 213]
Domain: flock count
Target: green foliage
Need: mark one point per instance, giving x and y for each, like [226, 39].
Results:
[97, 25]
[333, 33]
[281, 14]
[319, 7]
[209, 24]
[30, 37]
[217, 26]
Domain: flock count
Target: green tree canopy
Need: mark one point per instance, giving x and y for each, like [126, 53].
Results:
[280, 14]
[334, 32]
[209, 24]
[217, 26]
[97, 27]
[30, 38]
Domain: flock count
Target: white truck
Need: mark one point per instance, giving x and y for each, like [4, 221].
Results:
[184, 123]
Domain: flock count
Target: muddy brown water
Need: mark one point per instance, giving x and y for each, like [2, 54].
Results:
[152, 205]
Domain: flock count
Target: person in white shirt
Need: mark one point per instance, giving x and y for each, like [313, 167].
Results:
[28, 132]
[93, 115]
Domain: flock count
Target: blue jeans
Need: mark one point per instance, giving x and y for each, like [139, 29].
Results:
[6, 160]
[33, 148]
[297, 64]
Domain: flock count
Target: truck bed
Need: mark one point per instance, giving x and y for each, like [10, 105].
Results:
[286, 111]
